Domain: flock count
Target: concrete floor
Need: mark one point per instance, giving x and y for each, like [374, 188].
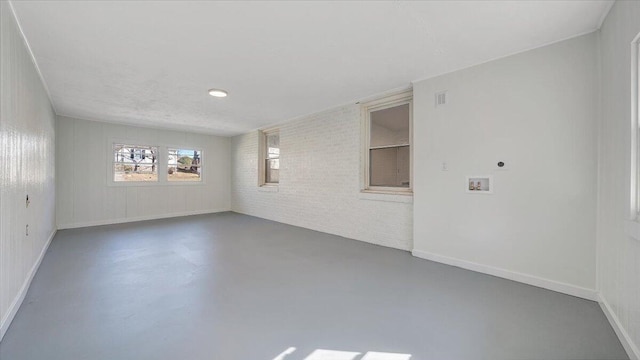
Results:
[234, 287]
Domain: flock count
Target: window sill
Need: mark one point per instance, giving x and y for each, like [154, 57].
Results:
[183, 183]
[268, 188]
[632, 229]
[398, 197]
[133, 183]
[153, 183]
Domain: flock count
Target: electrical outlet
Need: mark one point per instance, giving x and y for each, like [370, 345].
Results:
[28, 201]
[27, 230]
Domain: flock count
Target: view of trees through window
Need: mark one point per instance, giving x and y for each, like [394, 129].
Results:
[184, 164]
[135, 163]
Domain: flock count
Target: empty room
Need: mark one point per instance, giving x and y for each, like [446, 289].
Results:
[319, 180]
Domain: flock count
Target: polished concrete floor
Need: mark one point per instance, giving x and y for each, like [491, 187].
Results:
[234, 287]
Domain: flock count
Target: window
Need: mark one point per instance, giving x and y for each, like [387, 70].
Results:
[184, 164]
[387, 138]
[269, 157]
[135, 163]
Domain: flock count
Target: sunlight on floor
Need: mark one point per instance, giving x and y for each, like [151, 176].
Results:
[282, 355]
[372, 355]
[323, 354]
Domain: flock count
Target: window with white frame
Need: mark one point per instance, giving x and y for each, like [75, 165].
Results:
[269, 157]
[184, 164]
[135, 163]
[387, 144]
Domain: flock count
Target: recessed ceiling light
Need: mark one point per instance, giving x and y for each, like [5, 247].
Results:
[218, 93]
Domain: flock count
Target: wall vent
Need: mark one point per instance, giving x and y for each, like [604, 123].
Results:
[441, 98]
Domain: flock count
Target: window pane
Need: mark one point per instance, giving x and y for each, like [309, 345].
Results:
[184, 164]
[390, 126]
[272, 157]
[273, 145]
[135, 163]
[272, 167]
[389, 166]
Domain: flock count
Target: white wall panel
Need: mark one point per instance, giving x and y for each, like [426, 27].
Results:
[320, 182]
[90, 177]
[64, 144]
[536, 111]
[618, 253]
[26, 167]
[87, 198]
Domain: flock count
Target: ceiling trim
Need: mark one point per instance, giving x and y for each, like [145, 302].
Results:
[33, 57]
[408, 87]
[368, 98]
[189, 130]
[505, 56]
[605, 14]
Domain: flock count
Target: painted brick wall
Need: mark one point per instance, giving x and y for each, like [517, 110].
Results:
[320, 182]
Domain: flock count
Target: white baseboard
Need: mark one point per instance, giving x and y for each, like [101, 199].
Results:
[17, 301]
[548, 284]
[625, 339]
[363, 239]
[138, 218]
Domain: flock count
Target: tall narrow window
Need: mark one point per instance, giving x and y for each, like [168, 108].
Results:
[133, 163]
[388, 144]
[270, 157]
[184, 164]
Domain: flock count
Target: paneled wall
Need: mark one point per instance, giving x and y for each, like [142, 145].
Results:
[86, 196]
[618, 253]
[537, 112]
[26, 168]
[320, 182]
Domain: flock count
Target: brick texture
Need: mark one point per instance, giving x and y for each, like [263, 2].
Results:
[319, 182]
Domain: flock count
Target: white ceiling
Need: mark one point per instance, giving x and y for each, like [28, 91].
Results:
[151, 62]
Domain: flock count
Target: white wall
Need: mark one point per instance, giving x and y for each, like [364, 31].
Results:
[618, 254]
[536, 111]
[320, 182]
[85, 197]
[26, 167]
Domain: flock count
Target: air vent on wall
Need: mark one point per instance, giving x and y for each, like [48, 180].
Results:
[441, 98]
